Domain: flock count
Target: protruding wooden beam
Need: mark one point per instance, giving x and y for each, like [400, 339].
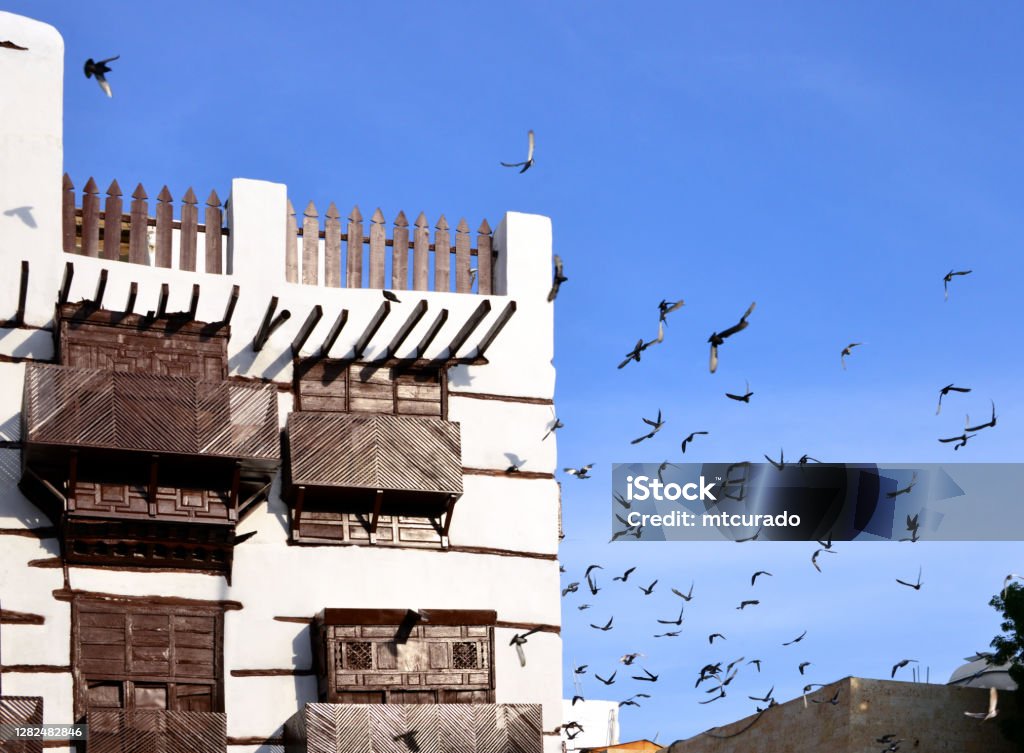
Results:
[269, 325]
[161, 307]
[499, 324]
[300, 499]
[236, 482]
[467, 329]
[378, 502]
[452, 499]
[332, 336]
[406, 328]
[133, 293]
[371, 329]
[19, 314]
[232, 301]
[65, 286]
[431, 333]
[154, 468]
[72, 479]
[193, 307]
[101, 288]
[307, 329]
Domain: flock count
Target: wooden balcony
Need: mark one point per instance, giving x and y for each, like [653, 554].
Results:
[347, 470]
[113, 413]
[156, 731]
[438, 727]
[21, 710]
[146, 470]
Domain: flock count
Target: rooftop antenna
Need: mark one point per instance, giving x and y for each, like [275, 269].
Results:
[576, 684]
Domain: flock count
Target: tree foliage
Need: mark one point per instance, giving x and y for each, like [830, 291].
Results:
[1009, 649]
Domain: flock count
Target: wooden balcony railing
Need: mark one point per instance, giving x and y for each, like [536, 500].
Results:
[435, 727]
[156, 731]
[21, 711]
[163, 415]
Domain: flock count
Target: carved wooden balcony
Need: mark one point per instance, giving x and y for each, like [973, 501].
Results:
[156, 731]
[21, 710]
[374, 468]
[146, 470]
[438, 728]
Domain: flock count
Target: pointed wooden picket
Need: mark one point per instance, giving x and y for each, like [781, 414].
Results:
[138, 228]
[68, 228]
[354, 250]
[400, 253]
[214, 238]
[310, 245]
[421, 254]
[442, 256]
[291, 246]
[463, 282]
[112, 222]
[164, 228]
[189, 231]
[332, 247]
[377, 242]
[484, 259]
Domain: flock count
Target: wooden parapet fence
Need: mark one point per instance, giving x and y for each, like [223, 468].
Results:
[314, 256]
[128, 236]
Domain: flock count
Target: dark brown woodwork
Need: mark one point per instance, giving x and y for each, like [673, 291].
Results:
[149, 730]
[164, 228]
[332, 335]
[467, 329]
[377, 239]
[446, 658]
[133, 294]
[496, 328]
[269, 324]
[229, 311]
[407, 327]
[10, 617]
[65, 285]
[371, 330]
[161, 305]
[19, 315]
[68, 229]
[21, 711]
[132, 653]
[431, 333]
[101, 288]
[306, 329]
[90, 219]
[467, 723]
[212, 234]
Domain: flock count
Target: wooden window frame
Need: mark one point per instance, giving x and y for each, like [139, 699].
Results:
[127, 679]
[344, 379]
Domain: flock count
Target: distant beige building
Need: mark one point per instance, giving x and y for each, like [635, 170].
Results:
[927, 718]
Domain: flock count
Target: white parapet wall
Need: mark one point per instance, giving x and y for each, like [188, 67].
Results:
[504, 534]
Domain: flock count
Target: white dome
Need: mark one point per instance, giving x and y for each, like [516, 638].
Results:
[978, 673]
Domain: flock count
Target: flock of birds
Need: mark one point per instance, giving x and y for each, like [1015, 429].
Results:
[718, 675]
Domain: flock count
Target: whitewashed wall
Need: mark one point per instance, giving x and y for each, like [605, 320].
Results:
[513, 514]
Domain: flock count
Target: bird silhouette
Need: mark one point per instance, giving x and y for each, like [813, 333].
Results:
[667, 307]
[24, 214]
[690, 438]
[99, 70]
[946, 390]
[759, 572]
[846, 352]
[948, 278]
[648, 590]
[529, 156]
[979, 427]
[559, 278]
[718, 338]
[744, 398]
[915, 586]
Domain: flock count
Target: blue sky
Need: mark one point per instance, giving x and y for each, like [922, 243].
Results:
[831, 162]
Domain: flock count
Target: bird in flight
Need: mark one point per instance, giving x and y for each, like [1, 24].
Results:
[667, 307]
[744, 398]
[610, 680]
[634, 355]
[649, 589]
[559, 277]
[650, 677]
[625, 576]
[656, 424]
[834, 700]
[571, 588]
[555, 426]
[529, 157]
[993, 707]
[607, 626]
[900, 665]
[581, 607]
[581, 670]
[766, 698]
[580, 473]
[748, 603]
[677, 621]
[519, 640]
[756, 663]
[796, 640]
[781, 462]
[814, 557]
[711, 638]
[915, 586]
[803, 665]
[686, 596]
[670, 634]
[961, 440]
[905, 490]
[718, 338]
[949, 278]
[846, 352]
[99, 70]
[945, 391]
[591, 569]
[979, 427]
[690, 438]
[628, 659]
[759, 572]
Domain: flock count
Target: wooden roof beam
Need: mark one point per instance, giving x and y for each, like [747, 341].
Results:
[497, 327]
[406, 328]
[269, 325]
[371, 329]
[467, 329]
[306, 329]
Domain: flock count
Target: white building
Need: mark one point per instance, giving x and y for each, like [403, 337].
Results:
[599, 720]
[254, 500]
